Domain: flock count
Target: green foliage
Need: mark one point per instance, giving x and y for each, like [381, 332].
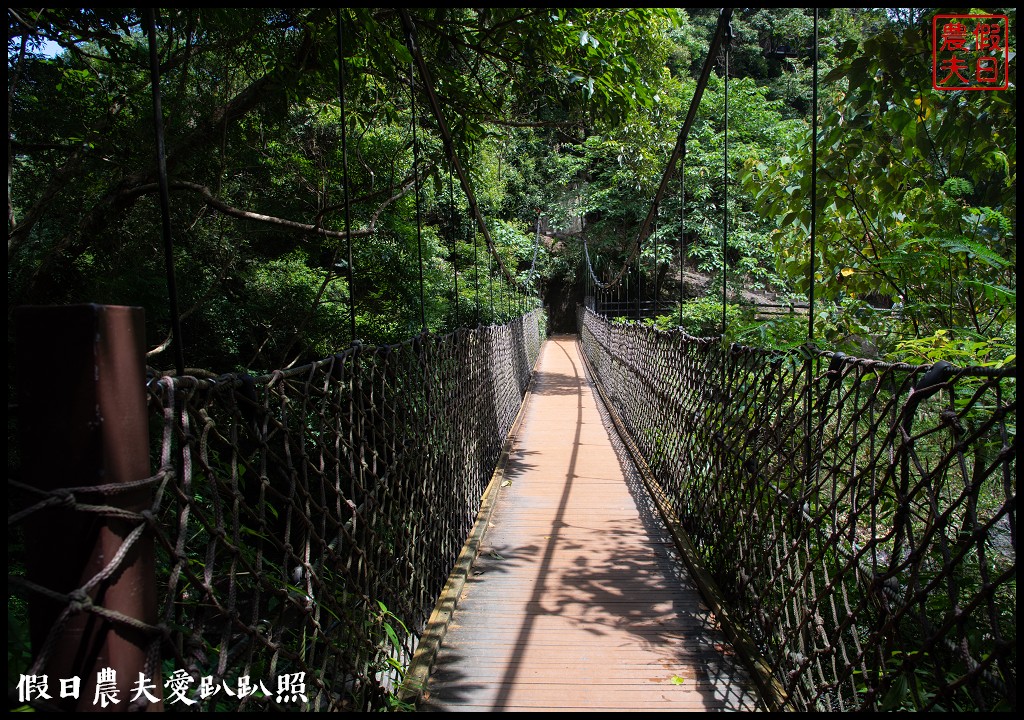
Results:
[253, 138]
[566, 111]
[624, 166]
[19, 648]
[386, 625]
[702, 317]
[781, 333]
[916, 192]
[964, 351]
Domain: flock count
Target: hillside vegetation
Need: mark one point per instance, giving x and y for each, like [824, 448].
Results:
[569, 114]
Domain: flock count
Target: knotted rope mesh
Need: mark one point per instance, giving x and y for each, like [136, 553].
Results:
[882, 573]
[318, 511]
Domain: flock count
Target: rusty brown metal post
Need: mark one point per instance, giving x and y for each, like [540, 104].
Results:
[83, 423]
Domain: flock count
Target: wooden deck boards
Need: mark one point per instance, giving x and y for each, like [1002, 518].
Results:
[578, 598]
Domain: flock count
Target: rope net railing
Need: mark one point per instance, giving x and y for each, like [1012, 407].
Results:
[876, 567]
[305, 521]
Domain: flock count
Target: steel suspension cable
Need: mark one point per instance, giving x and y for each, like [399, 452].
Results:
[344, 177]
[814, 179]
[725, 180]
[656, 286]
[587, 288]
[716, 44]
[625, 283]
[464, 181]
[536, 247]
[809, 463]
[596, 282]
[476, 276]
[682, 227]
[639, 285]
[165, 200]
[449, 145]
[455, 241]
[501, 295]
[416, 181]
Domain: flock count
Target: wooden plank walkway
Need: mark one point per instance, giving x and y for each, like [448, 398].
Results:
[578, 598]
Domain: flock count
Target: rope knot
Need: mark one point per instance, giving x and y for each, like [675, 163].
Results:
[949, 417]
[79, 600]
[66, 497]
[835, 366]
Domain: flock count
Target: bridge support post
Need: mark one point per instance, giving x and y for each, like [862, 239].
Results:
[89, 560]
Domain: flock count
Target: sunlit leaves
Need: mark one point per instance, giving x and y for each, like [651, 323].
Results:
[915, 192]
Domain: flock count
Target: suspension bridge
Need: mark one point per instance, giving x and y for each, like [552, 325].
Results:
[578, 598]
[740, 528]
[624, 519]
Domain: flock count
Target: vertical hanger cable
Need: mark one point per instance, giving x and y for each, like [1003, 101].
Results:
[725, 181]
[416, 181]
[344, 177]
[682, 227]
[455, 241]
[809, 401]
[165, 201]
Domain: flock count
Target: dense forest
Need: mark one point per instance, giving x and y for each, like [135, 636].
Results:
[293, 134]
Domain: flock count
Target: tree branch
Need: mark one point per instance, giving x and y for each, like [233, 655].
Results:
[58, 183]
[223, 207]
[406, 185]
[122, 194]
[71, 166]
[315, 229]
